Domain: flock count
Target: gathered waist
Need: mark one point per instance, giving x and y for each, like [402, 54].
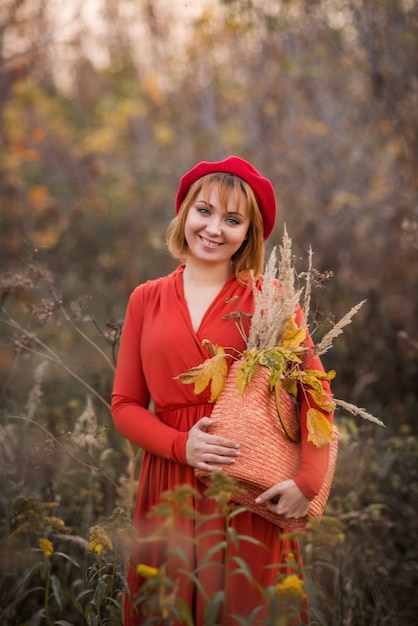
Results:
[184, 417]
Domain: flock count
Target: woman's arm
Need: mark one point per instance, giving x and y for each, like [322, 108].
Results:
[130, 397]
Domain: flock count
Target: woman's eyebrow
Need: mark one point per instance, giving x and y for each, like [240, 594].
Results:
[211, 206]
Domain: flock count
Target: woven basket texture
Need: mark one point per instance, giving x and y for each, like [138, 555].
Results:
[268, 455]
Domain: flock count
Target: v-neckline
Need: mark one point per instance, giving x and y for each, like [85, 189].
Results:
[209, 307]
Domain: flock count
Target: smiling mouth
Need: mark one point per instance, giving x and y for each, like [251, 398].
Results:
[208, 243]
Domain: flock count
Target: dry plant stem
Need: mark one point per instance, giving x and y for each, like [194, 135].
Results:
[47, 353]
[355, 410]
[326, 342]
[46, 596]
[96, 468]
[275, 303]
[134, 458]
[51, 355]
[263, 325]
[225, 565]
[306, 308]
[289, 297]
[74, 326]
[10, 375]
[87, 338]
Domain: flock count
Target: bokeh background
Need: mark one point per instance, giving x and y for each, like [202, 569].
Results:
[104, 104]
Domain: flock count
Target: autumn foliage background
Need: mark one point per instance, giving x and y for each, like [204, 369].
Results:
[103, 106]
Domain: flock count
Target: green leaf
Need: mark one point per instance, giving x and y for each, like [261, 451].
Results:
[221, 545]
[244, 568]
[36, 618]
[213, 608]
[274, 360]
[246, 369]
[84, 593]
[233, 535]
[185, 612]
[57, 590]
[68, 558]
[250, 539]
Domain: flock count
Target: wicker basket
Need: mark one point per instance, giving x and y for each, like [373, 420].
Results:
[268, 455]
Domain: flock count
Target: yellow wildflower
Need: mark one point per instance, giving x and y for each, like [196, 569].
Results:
[146, 571]
[290, 588]
[99, 539]
[96, 547]
[56, 523]
[46, 547]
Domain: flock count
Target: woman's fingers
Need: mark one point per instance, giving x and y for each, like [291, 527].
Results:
[207, 451]
[286, 499]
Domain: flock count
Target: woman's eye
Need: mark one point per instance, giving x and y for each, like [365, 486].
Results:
[232, 220]
[203, 210]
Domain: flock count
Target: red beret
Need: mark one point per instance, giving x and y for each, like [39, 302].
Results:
[262, 187]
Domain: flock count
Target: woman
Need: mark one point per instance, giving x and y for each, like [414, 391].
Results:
[225, 212]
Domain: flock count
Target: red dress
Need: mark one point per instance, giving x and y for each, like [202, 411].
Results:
[158, 343]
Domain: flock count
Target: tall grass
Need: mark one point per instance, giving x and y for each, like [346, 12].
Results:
[68, 482]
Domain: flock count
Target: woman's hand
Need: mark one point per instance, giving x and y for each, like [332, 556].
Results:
[285, 499]
[206, 451]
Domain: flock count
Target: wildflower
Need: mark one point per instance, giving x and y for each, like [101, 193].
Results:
[146, 571]
[99, 539]
[119, 518]
[46, 547]
[221, 489]
[120, 528]
[56, 523]
[178, 502]
[96, 547]
[290, 588]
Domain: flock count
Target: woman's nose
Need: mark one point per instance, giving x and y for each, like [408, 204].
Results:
[214, 226]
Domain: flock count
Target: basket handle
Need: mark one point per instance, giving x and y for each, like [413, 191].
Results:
[288, 411]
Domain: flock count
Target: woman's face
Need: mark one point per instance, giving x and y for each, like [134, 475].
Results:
[214, 231]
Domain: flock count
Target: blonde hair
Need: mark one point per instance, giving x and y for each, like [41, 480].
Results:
[250, 256]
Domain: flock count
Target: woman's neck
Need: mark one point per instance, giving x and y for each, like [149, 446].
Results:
[201, 285]
[202, 274]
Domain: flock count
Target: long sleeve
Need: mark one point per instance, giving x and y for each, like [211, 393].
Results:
[314, 461]
[131, 397]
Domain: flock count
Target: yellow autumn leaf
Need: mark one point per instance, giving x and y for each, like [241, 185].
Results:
[287, 412]
[200, 376]
[319, 428]
[242, 377]
[219, 374]
[213, 370]
[293, 337]
[203, 379]
[322, 400]
[291, 385]
[218, 370]
[212, 348]
[320, 374]
[246, 369]
[191, 375]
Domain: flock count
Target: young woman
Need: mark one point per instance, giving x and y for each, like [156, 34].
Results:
[225, 212]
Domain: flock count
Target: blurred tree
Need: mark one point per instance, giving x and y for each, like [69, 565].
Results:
[321, 96]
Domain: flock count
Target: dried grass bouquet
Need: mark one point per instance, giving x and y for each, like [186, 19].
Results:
[277, 343]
